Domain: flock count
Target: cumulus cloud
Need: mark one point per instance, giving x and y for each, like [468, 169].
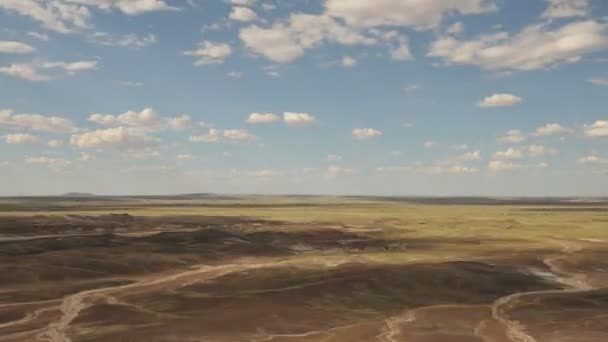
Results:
[239, 135]
[298, 119]
[209, 52]
[500, 100]
[84, 156]
[57, 15]
[535, 47]
[552, 129]
[146, 119]
[286, 41]
[501, 166]
[213, 136]
[599, 129]
[54, 143]
[448, 169]
[498, 166]
[21, 139]
[232, 135]
[146, 153]
[67, 16]
[420, 14]
[334, 171]
[511, 153]
[566, 9]
[38, 35]
[244, 14]
[15, 47]
[115, 138]
[130, 40]
[365, 133]
[54, 163]
[532, 151]
[35, 122]
[469, 156]
[45, 71]
[185, 157]
[263, 118]
[599, 81]
[349, 62]
[513, 136]
[593, 159]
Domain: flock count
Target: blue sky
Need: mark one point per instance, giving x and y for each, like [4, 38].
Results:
[386, 97]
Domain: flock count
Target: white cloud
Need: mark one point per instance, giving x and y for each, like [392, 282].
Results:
[232, 135]
[286, 41]
[146, 119]
[448, 169]
[115, 138]
[566, 9]
[38, 35]
[366, 133]
[136, 7]
[54, 163]
[540, 151]
[35, 122]
[128, 7]
[298, 119]
[209, 52]
[263, 118]
[57, 15]
[455, 28]
[22, 138]
[429, 144]
[185, 157]
[131, 84]
[213, 136]
[235, 74]
[146, 153]
[469, 156]
[54, 143]
[535, 47]
[500, 100]
[266, 173]
[336, 171]
[410, 89]
[501, 166]
[179, 123]
[513, 136]
[84, 156]
[599, 129]
[593, 159]
[332, 158]
[599, 81]
[349, 62]
[130, 40]
[552, 129]
[47, 70]
[532, 151]
[421, 14]
[67, 16]
[243, 14]
[511, 153]
[239, 135]
[15, 47]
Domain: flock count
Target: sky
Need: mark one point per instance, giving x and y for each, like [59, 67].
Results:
[366, 97]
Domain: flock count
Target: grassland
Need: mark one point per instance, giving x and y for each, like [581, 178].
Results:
[303, 269]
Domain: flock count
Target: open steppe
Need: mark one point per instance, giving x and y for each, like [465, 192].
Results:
[282, 269]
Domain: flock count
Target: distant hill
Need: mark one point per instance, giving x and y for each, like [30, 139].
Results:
[77, 194]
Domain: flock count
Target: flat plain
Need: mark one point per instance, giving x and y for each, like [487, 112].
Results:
[299, 268]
